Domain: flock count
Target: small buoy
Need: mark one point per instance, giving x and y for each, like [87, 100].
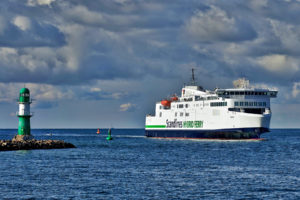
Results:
[109, 135]
[98, 131]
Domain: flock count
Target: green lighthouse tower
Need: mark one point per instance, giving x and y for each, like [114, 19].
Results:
[24, 115]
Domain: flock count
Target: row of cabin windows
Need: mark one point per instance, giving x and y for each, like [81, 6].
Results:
[180, 114]
[181, 105]
[198, 98]
[241, 103]
[214, 104]
[246, 93]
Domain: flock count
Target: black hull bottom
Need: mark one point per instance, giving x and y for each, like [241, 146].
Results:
[241, 133]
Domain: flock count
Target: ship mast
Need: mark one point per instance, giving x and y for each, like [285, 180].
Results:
[193, 77]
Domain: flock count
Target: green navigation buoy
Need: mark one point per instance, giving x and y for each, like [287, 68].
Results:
[24, 115]
[109, 135]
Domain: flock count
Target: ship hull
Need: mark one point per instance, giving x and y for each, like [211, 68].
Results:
[237, 133]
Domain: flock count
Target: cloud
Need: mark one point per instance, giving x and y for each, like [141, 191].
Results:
[127, 107]
[95, 89]
[82, 15]
[22, 22]
[40, 2]
[279, 64]
[44, 95]
[216, 25]
[25, 32]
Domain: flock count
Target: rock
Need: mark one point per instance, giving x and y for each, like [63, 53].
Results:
[15, 144]
[22, 138]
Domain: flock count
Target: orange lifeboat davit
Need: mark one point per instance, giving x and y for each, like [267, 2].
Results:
[165, 103]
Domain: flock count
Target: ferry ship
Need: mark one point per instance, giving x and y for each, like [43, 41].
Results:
[241, 112]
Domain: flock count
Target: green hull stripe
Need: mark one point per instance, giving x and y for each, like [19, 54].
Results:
[155, 126]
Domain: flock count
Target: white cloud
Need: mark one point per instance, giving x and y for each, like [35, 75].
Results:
[288, 34]
[41, 92]
[22, 22]
[39, 2]
[45, 92]
[32, 59]
[279, 63]
[215, 24]
[127, 107]
[258, 4]
[95, 89]
[83, 15]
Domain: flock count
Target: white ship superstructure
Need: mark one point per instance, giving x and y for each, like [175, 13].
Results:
[242, 112]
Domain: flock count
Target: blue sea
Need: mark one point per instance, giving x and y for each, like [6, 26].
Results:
[134, 167]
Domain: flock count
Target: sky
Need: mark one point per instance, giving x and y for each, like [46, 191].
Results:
[105, 63]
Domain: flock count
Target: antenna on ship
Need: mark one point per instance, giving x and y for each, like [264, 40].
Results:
[193, 77]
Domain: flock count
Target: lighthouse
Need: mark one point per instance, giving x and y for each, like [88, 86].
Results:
[24, 115]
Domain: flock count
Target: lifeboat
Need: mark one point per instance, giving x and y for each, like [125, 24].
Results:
[174, 98]
[165, 103]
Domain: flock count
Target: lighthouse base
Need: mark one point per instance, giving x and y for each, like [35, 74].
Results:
[22, 138]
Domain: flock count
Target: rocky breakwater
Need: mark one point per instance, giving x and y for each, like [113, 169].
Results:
[18, 143]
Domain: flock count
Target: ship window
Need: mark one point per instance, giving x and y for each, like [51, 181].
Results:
[180, 106]
[197, 98]
[255, 93]
[187, 114]
[250, 103]
[259, 103]
[234, 109]
[241, 103]
[231, 93]
[176, 114]
[246, 103]
[160, 107]
[255, 103]
[160, 114]
[236, 103]
[181, 114]
[213, 104]
[264, 104]
[186, 105]
[242, 93]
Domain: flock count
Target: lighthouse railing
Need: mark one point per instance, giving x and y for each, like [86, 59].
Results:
[24, 114]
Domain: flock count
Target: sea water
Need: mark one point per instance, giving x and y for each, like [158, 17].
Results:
[134, 167]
